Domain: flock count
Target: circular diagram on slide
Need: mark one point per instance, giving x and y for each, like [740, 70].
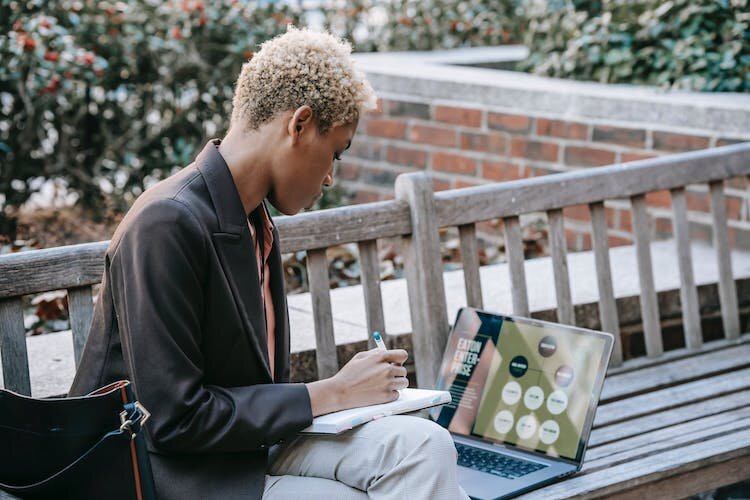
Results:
[526, 426]
[511, 393]
[533, 398]
[557, 402]
[503, 422]
[549, 431]
[518, 366]
[564, 376]
[547, 346]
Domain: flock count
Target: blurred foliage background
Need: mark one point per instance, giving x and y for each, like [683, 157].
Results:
[105, 98]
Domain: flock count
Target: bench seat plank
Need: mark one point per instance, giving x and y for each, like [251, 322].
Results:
[660, 420]
[683, 370]
[694, 458]
[687, 432]
[672, 397]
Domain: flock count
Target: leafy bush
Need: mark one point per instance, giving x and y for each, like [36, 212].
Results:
[681, 44]
[425, 25]
[112, 96]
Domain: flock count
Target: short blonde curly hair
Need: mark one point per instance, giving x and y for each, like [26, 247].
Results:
[297, 68]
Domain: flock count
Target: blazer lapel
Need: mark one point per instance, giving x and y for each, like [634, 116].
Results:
[281, 362]
[234, 246]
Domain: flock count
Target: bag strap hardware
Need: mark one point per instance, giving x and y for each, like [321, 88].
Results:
[133, 417]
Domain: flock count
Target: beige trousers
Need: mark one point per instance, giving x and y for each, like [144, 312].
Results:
[397, 457]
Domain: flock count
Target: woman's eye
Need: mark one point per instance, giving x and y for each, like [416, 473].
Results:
[337, 156]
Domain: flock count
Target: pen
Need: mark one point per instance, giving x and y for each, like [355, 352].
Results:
[379, 340]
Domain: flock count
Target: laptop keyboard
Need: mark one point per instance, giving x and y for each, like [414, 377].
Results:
[495, 463]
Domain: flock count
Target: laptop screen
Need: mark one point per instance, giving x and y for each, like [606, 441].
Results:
[522, 382]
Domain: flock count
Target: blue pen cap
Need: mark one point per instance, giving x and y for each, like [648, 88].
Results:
[376, 336]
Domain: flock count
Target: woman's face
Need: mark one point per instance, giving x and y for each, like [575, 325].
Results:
[306, 166]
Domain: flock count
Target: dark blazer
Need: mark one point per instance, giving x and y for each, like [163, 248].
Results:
[180, 314]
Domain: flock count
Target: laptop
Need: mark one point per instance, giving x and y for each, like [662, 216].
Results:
[524, 393]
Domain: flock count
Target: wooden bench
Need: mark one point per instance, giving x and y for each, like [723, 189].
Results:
[671, 423]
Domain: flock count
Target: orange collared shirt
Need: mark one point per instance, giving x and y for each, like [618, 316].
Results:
[265, 285]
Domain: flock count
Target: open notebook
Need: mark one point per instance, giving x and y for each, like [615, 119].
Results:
[410, 400]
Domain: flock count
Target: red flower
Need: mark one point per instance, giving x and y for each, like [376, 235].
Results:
[51, 55]
[199, 6]
[88, 58]
[27, 42]
[202, 20]
[52, 86]
[44, 23]
[18, 26]
[176, 33]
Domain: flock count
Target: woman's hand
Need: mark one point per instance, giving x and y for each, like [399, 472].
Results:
[370, 377]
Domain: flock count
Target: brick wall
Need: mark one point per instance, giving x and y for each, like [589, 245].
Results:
[463, 145]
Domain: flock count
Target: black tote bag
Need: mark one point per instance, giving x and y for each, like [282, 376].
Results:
[88, 447]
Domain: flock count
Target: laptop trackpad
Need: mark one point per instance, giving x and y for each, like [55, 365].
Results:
[482, 485]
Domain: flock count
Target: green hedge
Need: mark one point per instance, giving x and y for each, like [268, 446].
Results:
[681, 44]
[108, 97]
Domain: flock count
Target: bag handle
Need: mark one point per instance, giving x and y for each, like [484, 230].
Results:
[133, 416]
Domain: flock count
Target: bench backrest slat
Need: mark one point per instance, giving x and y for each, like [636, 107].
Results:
[56, 268]
[514, 253]
[565, 313]
[727, 288]
[13, 346]
[691, 319]
[81, 310]
[424, 278]
[325, 346]
[539, 194]
[607, 305]
[648, 301]
[326, 228]
[467, 235]
[370, 273]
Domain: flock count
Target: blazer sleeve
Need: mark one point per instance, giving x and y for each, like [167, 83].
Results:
[156, 274]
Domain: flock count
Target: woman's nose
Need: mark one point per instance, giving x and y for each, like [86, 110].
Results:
[328, 180]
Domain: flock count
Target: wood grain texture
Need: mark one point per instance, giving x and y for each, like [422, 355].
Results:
[678, 371]
[58, 268]
[640, 474]
[368, 262]
[324, 228]
[727, 290]
[325, 344]
[470, 256]
[691, 319]
[13, 347]
[424, 276]
[516, 269]
[607, 305]
[649, 304]
[676, 354]
[654, 421]
[693, 482]
[81, 310]
[539, 194]
[672, 397]
[687, 432]
[565, 312]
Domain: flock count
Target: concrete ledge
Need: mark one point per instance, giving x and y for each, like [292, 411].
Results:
[440, 76]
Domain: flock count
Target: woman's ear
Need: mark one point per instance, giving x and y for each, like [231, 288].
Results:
[301, 120]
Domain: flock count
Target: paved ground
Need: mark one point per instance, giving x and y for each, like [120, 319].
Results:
[51, 355]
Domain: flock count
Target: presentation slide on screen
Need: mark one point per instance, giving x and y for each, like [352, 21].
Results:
[526, 385]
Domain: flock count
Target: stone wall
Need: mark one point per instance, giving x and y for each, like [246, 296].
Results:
[468, 126]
